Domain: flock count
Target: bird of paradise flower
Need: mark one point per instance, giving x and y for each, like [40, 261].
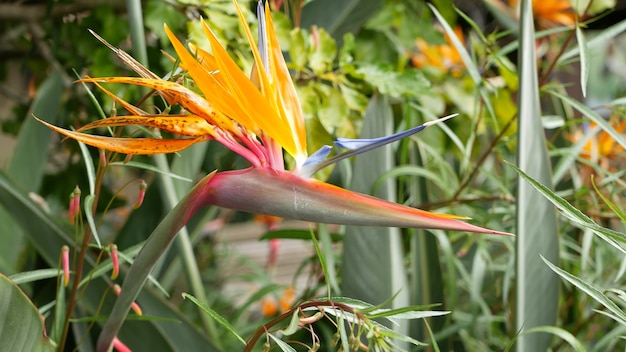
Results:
[256, 117]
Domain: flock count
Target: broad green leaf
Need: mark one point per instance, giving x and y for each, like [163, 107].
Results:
[21, 326]
[26, 166]
[386, 80]
[339, 17]
[29, 157]
[537, 289]
[373, 267]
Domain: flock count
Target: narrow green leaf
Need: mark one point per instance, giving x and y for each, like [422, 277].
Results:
[221, 320]
[88, 206]
[608, 202]
[327, 247]
[472, 69]
[322, 260]
[282, 344]
[602, 37]
[59, 312]
[584, 59]
[34, 275]
[563, 334]
[537, 289]
[342, 333]
[91, 172]
[150, 168]
[594, 116]
[433, 340]
[406, 313]
[593, 291]
[573, 214]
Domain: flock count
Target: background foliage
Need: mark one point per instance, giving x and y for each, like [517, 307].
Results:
[541, 92]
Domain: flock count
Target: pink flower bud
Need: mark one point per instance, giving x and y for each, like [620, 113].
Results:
[103, 158]
[65, 264]
[74, 204]
[315, 36]
[142, 194]
[119, 346]
[134, 306]
[115, 262]
[72, 211]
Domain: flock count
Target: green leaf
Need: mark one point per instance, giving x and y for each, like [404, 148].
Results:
[324, 53]
[594, 116]
[597, 40]
[537, 289]
[608, 202]
[88, 206]
[574, 214]
[91, 172]
[281, 344]
[339, 17]
[26, 166]
[373, 267]
[293, 326]
[21, 326]
[584, 59]
[406, 313]
[323, 263]
[34, 275]
[215, 316]
[297, 49]
[152, 168]
[387, 81]
[29, 159]
[47, 237]
[564, 334]
[594, 292]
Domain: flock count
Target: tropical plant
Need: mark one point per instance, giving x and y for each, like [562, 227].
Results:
[356, 71]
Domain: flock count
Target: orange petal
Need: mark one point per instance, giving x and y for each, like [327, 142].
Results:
[147, 146]
[287, 97]
[175, 94]
[185, 125]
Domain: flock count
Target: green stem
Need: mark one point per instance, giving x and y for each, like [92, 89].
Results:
[186, 249]
[153, 249]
